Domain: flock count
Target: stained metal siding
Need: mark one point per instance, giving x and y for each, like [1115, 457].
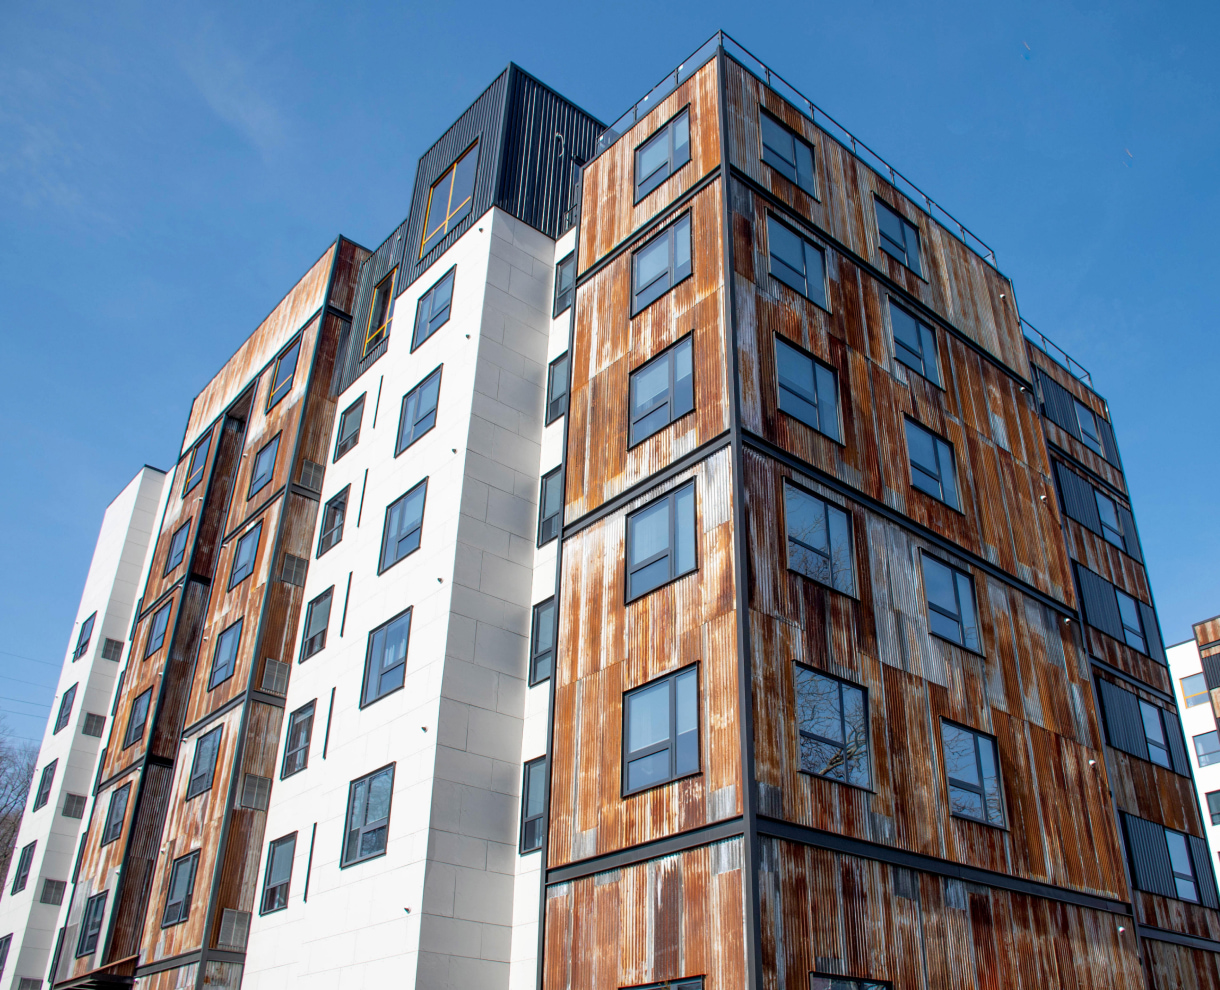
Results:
[1079, 501]
[1149, 856]
[1124, 726]
[1100, 608]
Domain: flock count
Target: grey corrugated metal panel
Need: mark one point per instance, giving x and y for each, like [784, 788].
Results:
[1058, 404]
[1131, 540]
[1149, 856]
[1100, 605]
[1124, 726]
[1177, 742]
[1079, 501]
[1152, 633]
[1204, 875]
[1211, 671]
[1109, 445]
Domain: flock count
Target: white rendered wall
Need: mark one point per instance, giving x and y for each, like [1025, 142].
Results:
[1184, 661]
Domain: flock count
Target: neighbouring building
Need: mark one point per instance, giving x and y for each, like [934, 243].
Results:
[1195, 665]
[668, 560]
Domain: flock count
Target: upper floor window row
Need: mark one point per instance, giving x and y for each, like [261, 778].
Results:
[1097, 511]
[1067, 412]
[450, 199]
[662, 155]
[898, 237]
[789, 155]
[379, 314]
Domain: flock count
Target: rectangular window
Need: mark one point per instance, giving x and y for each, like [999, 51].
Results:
[660, 264]
[279, 873]
[181, 887]
[74, 806]
[796, 262]
[53, 893]
[368, 816]
[973, 771]
[264, 467]
[177, 546]
[1155, 735]
[203, 766]
[1117, 614]
[116, 814]
[24, 861]
[1183, 868]
[819, 982]
[1169, 863]
[565, 284]
[1107, 513]
[386, 662]
[915, 344]
[557, 389]
[1194, 690]
[819, 540]
[661, 731]
[349, 427]
[332, 521]
[898, 237]
[317, 619]
[951, 611]
[418, 413]
[224, 660]
[137, 719]
[379, 314]
[112, 649]
[1087, 422]
[199, 461]
[662, 391]
[550, 506]
[807, 389]
[1207, 748]
[662, 155]
[832, 721]
[83, 637]
[434, 309]
[284, 373]
[91, 924]
[789, 155]
[5, 942]
[43, 794]
[404, 521]
[296, 747]
[65, 709]
[542, 642]
[533, 805]
[1213, 806]
[1129, 614]
[932, 464]
[661, 541]
[450, 199]
[244, 555]
[157, 628]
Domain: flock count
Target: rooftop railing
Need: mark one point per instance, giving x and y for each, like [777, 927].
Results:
[1057, 353]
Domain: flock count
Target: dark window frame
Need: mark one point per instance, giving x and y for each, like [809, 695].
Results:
[669, 355]
[156, 639]
[175, 554]
[182, 907]
[308, 648]
[807, 245]
[64, 716]
[277, 393]
[960, 618]
[900, 253]
[305, 714]
[231, 667]
[1131, 631]
[255, 532]
[366, 698]
[91, 924]
[800, 395]
[939, 444]
[980, 789]
[84, 637]
[430, 297]
[374, 336]
[826, 741]
[430, 240]
[46, 781]
[1161, 745]
[631, 568]
[268, 888]
[538, 651]
[1091, 437]
[116, 814]
[644, 185]
[1213, 807]
[25, 863]
[530, 768]
[196, 467]
[552, 397]
[208, 747]
[344, 443]
[847, 983]
[323, 532]
[927, 335]
[128, 739]
[1202, 758]
[675, 273]
[781, 165]
[417, 390]
[671, 743]
[270, 475]
[344, 859]
[830, 554]
[550, 525]
[564, 297]
[382, 566]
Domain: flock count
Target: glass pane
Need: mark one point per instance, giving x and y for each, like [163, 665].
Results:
[1207, 748]
[379, 796]
[684, 395]
[938, 585]
[284, 368]
[854, 716]
[648, 717]
[991, 780]
[544, 628]
[945, 627]
[1154, 731]
[395, 648]
[931, 364]
[965, 598]
[534, 790]
[648, 770]
[786, 247]
[828, 411]
[906, 332]
[1194, 690]
[840, 550]
[964, 802]
[912, 245]
[681, 236]
[319, 616]
[438, 208]
[1107, 510]
[960, 762]
[684, 530]
[463, 186]
[815, 275]
[1179, 854]
[688, 722]
[372, 842]
[890, 227]
[795, 370]
[1186, 889]
[647, 578]
[649, 386]
[281, 862]
[1128, 611]
[681, 130]
[948, 476]
[651, 157]
[651, 263]
[804, 167]
[360, 793]
[778, 147]
[648, 532]
[646, 427]
[921, 446]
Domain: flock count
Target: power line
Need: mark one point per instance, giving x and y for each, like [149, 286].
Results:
[21, 656]
[22, 701]
[10, 711]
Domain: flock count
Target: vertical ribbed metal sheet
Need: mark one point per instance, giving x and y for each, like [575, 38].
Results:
[1078, 499]
[1124, 727]
[1100, 608]
[1149, 856]
[1152, 632]
[1057, 403]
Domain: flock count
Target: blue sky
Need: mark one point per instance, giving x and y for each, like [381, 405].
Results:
[167, 172]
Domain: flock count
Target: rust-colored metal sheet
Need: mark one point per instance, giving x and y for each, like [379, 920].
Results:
[1180, 967]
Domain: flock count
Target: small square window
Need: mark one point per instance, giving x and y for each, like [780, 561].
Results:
[74, 806]
[65, 709]
[418, 414]
[819, 540]
[1194, 690]
[789, 155]
[915, 344]
[279, 873]
[156, 630]
[300, 732]
[1213, 806]
[661, 731]
[198, 462]
[898, 237]
[973, 772]
[796, 262]
[24, 862]
[94, 725]
[661, 540]
[43, 794]
[660, 264]
[203, 766]
[224, 661]
[542, 642]
[557, 389]
[662, 155]
[137, 719]
[332, 521]
[245, 554]
[1133, 629]
[533, 805]
[368, 817]
[1207, 748]
[550, 506]
[112, 649]
[181, 888]
[565, 284]
[807, 389]
[349, 427]
[83, 637]
[450, 199]
[662, 391]
[386, 662]
[116, 813]
[53, 893]
[932, 464]
[951, 609]
[177, 546]
[379, 314]
[1089, 433]
[284, 373]
[91, 924]
[404, 522]
[832, 722]
[264, 467]
[317, 619]
[434, 309]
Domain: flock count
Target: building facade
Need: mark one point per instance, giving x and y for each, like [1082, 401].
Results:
[1199, 722]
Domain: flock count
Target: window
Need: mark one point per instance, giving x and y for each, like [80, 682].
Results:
[65, 708]
[661, 541]
[224, 660]
[386, 663]
[1107, 512]
[1117, 614]
[137, 718]
[662, 391]
[1183, 868]
[661, 731]
[379, 314]
[404, 519]
[94, 725]
[349, 427]
[285, 371]
[660, 264]
[83, 637]
[1169, 863]
[91, 924]
[1155, 735]
[332, 521]
[819, 540]
[24, 862]
[819, 982]
[317, 618]
[156, 634]
[43, 794]
[973, 771]
[789, 155]
[915, 344]
[808, 389]
[279, 873]
[550, 506]
[264, 467]
[796, 262]
[181, 887]
[53, 893]
[244, 555]
[177, 546]
[932, 466]
[112, 649]
[203, 766]
[832, 720]
[368, 816]
[662, 155]
[199, 461]
[451, 199]
[565, 284]
[433, 310]
[1213, 806]
[1128, 612]
[533, 805]
[1089, 433]
[951, 612]
[694, 983]
[1194, 690]
[418, 413]
[116, 814]
[557, 389]
[5, 942]
[542, 642]
[1207, 748]
[74, 806]
[296, 748]
[899, 238]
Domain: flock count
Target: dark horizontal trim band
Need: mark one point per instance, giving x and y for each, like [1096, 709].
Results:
[1123, 675]
[262, 697]
[1179, 938]
[173, 962]
[224, 955]
[210, 717]
[304, 492]
[650, 850]
[116, 777]
[1067, 455]
[164, 595]
[263, 507]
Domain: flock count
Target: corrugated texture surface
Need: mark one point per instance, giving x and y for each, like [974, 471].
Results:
[1179, 967]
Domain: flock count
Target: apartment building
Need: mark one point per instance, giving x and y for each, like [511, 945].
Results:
[668, 560]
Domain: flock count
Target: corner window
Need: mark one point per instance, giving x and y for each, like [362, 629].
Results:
[661, 541]
[317, 618]
[1129, 613]
[789, 155]
[433, 310]
[533, 805]
[65, 709]
[349, 427]
[404, 520]
[199, 461]
[951, 611]
[156, 630]
[24, 861]
[244, 555]
[662, 155]
[91, 924]
[332, 521]
[565, 284]
[224, 661]
[661, 731]
[279, 873]
[379, 314]
[450, 199]
[542, 642]
[264, 467]
[137, 719]
[203, 766]
[116, 814]
[368, 816]
[43, 794]
[181, 887]
[915, 344]
[1207, 748]
[662, 391]
[832, 721]
[557, 389]
[819, 540]
[807, 389]
[796, 262]
[898, 237]
[177, 546]
[660, 264]
[385, 665]
[300, 732]
[83, 637]
[550, 506]
[284, 372]
[1213, 806]
[973, 772]
[1194, 690]
[418, 413]
[1089, 433]
[932, 464]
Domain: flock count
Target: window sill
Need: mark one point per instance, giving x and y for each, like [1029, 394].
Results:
[644, 594]
[653, 302]
[663, 783]
[832, 780]
[822, 584]
[797, 419]
[960, 646]
[366, 859]
[978, 821]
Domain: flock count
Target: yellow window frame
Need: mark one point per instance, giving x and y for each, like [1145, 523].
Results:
[450, 209]
[375, 335]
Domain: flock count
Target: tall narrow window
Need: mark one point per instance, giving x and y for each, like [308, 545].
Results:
[450, 199]
[43, 794]
[808, 389]
[1129, 613]
[899, 238]
[156, 630]
[1107, 512]
[973, 771]
[279, 873]
[386, 663]
[300, 732]
[932, 464]
[661, 541]
[533, 805]
[332, 521]
[434, 309]
[1194, 690]
[661, 731]
[662, 155]
[368, 816]
[1183, 868]
[662, 391]
[264, 467]
[317, 619]
[177, 546]
[557, 389]
[244, 555]
[349, 427]
[284, 372]
[819, 540]
[91, 924]
[83, 637]
[550, 506]
[832, 719]
[789, 155]
[1154, 734]
[203, 766]
[1213, 806]
[660, 264]
[137, 719]
[199, 461]
[1207, 748]
[542, 642]
[25, 860]
[418, 413]
[404, 521]
[116, 814]
[379, 314]
[181, 888]
[1089, 433]
[565, 284]
[915, 344]
[224, 661]
[796, 262]
[951, 611]
[65, 709]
